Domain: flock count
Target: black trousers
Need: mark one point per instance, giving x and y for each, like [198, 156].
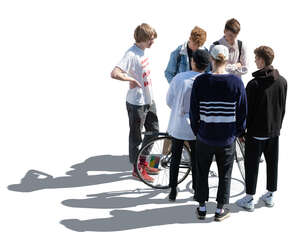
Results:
[224, 158]
[177, 146]
[140, 116]
[253, 150]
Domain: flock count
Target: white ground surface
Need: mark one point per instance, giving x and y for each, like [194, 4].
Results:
[63, 115]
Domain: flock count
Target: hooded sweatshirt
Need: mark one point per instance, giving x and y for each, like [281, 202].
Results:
[266, 98]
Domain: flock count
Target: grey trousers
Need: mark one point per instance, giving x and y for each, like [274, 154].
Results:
[140, 116]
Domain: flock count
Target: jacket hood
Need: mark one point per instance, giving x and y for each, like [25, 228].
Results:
[268, 73]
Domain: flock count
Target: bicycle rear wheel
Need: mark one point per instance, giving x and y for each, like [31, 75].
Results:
[240, 157]
[157, 153]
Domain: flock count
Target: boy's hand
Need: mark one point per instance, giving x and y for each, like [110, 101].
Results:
[134, 83]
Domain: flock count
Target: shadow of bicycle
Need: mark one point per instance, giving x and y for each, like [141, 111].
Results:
[77, 177]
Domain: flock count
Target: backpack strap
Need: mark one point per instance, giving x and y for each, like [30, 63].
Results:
[239, 46]
[240, 49]
[178, 61]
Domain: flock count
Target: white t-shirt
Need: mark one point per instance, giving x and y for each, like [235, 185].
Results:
[178, 99]
[136, 65]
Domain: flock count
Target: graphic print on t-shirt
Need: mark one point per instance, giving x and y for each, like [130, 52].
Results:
[146, 72]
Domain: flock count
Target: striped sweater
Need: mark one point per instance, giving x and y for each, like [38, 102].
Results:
[218, 108]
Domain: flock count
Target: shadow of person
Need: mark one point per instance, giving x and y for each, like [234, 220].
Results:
[77, 177]
[121, 220]
[123, 199]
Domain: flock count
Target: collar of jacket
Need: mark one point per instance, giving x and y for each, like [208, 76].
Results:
[183, 50]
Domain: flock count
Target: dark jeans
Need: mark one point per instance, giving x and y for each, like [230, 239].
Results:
[224, 158]
[253, 150]
[140, 116]
[177, 146]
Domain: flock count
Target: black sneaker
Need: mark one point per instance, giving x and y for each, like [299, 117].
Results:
[221, 216]
[201, 214]
[173, 195]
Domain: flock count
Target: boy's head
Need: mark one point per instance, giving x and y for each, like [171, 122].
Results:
[200, 60]
[264, 56]
[144, 33]
[231, 31]
[197, 38]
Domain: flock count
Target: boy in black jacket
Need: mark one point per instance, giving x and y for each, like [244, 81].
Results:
[266, 97]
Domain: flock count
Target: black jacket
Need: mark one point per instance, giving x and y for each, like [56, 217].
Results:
[266, 97]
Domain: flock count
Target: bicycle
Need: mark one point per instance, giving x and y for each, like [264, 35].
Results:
[157, 152]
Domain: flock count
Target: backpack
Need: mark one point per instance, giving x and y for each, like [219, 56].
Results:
[239, 45]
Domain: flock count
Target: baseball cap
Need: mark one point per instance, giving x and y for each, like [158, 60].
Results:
[219, 49]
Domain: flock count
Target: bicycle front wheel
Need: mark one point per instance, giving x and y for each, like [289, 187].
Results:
[240, 157]
[157, 153]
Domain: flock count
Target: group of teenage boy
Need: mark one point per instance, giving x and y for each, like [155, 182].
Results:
[210, 108]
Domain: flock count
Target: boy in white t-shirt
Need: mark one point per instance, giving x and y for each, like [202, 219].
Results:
[134, 67]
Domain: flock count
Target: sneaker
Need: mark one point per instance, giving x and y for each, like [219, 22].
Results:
[268, 199]
[221, 216]
[145, 176]
[150, 170]
[200, 214]
[173, 195]
[246, 203]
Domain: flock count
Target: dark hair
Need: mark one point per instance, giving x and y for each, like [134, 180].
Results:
[201, 58]
[266, 53]
[233, 25]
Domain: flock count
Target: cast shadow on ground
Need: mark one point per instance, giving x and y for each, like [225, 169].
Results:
[132, 198]
[78, 177]
[122, 220]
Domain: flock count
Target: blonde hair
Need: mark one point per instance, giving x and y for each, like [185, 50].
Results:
[220, 60]
[144, 32]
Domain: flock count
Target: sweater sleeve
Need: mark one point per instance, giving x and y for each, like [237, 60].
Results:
[241, 112]
[170, 95]
[251, 101]
[194, 109]
[285, 94]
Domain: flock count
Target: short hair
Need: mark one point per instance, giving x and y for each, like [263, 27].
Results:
[144, 32]
[266, 53]
[198, 36]
[201, 59]
[233, 25]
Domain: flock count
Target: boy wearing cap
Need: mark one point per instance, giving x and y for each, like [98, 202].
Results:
[134, 68]
[178, 99]
[218, 111]
[180, 59]
[237, 59]
[266, 95]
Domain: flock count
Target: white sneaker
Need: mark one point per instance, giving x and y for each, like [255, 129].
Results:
[268, 199]
[246, 203]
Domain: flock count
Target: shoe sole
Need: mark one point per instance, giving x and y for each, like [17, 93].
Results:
[221, 219]
[140, 179]
[269, 205]
[200, 217]
[245, 208]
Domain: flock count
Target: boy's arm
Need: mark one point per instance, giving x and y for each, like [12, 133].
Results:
[194, 109]
[118, 74]
[171, 69]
